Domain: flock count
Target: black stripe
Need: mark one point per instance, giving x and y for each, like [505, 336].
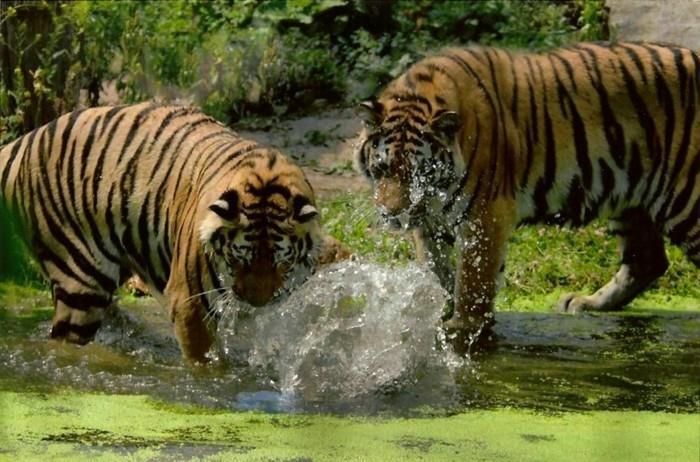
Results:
[49, 198]
[614, 133]
[472, 200]
[575, 204]
[467, 68]
[533, 102]
[529, 153]
[546, 181]
[514, 103]
[683, 147]
[24, 168]
[608, 180]
[81, 301]
[681, 200]
[404, 97]
[562, 92]
[424, 77]
[46, 255]
[679, 233]
[97, 174]
[111, 224]
[87, 148]
[634, 169]
[69, 177]
[643, 115]
[143, 236]
[10, 162]
[467, 172]
[223, 167]
[201, 156]
[166, 122]
[660, 163]
[634, 56]
[682, 72]
[580, 139]
[136, 125]
[164, 179]
[87, 267]
[160, 280]
[569, 69]
[581, 146]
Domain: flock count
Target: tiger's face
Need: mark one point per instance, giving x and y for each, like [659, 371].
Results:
[407, 152]
[262, 237]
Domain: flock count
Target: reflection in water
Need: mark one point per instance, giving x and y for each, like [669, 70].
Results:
[361, 338]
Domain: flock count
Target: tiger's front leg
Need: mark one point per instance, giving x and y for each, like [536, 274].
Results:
[190, 329]
[434, 248]
[187, 312]
[481, 247]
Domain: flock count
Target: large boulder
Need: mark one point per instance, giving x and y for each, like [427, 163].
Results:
[666, 21]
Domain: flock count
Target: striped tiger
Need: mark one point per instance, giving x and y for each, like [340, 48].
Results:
[166, 193]
[472, 142]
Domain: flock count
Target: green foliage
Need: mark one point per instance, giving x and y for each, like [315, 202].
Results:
[354, 221]
[14, 262]
[237, 58]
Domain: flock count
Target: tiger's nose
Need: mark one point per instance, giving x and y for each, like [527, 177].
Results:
[257, 286]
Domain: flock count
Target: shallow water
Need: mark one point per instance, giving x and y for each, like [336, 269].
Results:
[364, 339]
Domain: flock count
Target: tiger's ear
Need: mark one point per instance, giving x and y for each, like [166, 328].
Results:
[446, 124]
[222, 213]
[226, 206]
[304, 211]
[371, 112]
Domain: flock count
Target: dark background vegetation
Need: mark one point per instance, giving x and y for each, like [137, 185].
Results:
[247, 57]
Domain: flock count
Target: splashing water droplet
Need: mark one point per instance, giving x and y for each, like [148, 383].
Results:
[352, 330]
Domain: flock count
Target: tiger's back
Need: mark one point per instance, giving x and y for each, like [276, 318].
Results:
[101, 181]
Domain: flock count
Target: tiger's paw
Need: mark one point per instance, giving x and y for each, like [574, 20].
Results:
[64, 331]
[469, 338]
[574, 304]
[136, 286]
[333, 251]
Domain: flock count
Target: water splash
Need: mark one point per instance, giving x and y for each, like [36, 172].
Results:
[353, 330]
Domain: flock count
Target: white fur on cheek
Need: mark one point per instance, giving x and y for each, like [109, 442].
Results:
[209, 225]
[213, 221]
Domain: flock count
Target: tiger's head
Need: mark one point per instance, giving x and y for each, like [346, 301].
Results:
[261, 230]
[407, 150]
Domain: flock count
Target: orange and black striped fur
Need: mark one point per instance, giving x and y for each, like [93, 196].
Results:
[166, 193]
[469, 143]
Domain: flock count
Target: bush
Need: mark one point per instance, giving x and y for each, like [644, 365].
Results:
[258, 57]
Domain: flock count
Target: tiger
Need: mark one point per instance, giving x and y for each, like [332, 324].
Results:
[472, 142]
[166, 193]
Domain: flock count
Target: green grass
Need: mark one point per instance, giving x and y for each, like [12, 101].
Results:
[543, 262]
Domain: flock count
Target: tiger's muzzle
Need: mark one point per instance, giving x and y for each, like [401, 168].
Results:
[258, 284]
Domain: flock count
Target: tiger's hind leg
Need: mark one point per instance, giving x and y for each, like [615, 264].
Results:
[79, 305]
[643, 261]
[77, 315]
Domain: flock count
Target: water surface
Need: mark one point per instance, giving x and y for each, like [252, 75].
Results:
[359, 338]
